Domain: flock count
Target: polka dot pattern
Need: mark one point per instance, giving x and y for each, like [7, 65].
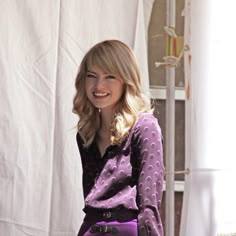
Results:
[129, 175]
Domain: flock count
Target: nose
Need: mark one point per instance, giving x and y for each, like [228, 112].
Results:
[100, 83]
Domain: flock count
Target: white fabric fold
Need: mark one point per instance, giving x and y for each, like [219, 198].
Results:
[209, 198]
[41, 45]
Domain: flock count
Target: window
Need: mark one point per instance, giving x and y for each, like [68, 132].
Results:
[156, 52]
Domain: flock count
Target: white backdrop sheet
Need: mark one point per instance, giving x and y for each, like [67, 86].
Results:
[209, 198]
[41, 45]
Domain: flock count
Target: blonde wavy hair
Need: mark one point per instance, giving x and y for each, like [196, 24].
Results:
[115, 57]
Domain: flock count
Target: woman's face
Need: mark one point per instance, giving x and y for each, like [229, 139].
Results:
[103, 89]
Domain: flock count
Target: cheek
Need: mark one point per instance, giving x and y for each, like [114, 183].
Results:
[87, 86]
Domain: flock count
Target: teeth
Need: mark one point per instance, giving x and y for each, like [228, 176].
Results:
[100, 94]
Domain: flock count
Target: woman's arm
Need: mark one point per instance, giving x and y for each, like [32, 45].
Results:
[151, 174]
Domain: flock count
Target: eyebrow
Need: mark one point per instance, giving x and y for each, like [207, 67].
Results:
[91, 72]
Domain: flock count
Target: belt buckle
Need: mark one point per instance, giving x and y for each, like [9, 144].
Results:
[106, 214]
[96, 228]
[109, 229]
[103, 229]
[106, 229]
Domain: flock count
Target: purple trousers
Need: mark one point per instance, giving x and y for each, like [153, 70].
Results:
[128, 228]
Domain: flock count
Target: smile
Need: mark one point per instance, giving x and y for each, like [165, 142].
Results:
[100, 94]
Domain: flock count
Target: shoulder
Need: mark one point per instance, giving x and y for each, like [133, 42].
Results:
[79, 140]
[147, 121]
[146, 125]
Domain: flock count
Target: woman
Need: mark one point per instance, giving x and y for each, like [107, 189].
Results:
[120, 145]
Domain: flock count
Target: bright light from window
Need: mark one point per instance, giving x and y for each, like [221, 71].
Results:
[221, 102]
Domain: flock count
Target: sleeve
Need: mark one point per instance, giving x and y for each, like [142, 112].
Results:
[150, 176]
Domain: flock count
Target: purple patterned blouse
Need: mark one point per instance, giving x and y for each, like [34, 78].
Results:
[129, 175]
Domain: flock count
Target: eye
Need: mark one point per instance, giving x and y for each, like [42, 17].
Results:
[110, 77]
[90, 75]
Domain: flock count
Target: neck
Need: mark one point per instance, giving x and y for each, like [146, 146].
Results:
[106, 120]
[104, 131]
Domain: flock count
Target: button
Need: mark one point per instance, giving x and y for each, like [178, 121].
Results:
[106, 214]
[126, 151]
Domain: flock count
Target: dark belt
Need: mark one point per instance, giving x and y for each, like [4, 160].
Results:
[121, 215]
[103, 229]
